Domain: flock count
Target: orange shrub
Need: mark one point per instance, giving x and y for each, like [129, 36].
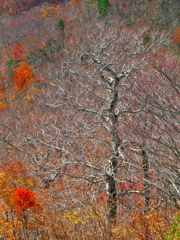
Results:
[23, 199]
[22, 75]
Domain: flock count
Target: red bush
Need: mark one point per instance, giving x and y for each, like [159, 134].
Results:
[23, 199]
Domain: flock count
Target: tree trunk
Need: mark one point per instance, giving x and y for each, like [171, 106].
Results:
[111, 169]
[111, 190]
[145, 168]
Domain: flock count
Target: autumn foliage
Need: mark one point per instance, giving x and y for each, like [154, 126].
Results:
[23, 199]
[176, 37]
[18, 6]
[2, 104]
[22, 75]
[18, 75]
[22, 72]
[18, 52]
[89, 98]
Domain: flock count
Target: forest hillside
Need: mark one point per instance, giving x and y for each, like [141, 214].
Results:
[17, 6]
[90, 120]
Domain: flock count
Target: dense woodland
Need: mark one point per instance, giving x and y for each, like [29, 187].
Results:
[90, 120]
[18, 6]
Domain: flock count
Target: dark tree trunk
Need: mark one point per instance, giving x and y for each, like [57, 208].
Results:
[145, 168]
[114, 161]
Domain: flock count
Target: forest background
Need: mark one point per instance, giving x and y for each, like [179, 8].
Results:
[90, 119]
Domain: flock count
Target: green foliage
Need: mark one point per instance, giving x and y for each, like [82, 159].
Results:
[90, 1]
[60, 25]
[10, 62]
[174, 232]
[47, 53]
[102, 7]
[53, 46]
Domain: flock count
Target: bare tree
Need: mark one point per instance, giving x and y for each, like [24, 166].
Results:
[104, 118]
